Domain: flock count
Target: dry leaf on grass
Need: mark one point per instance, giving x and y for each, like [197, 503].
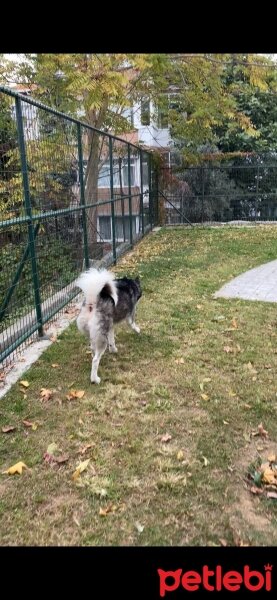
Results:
[8, 429]
[180, 361]
[272, 495]
[205, 397]
[139, 527]
[34, 426]
[180, 455]
[17, 468]
[111, 508]
[46, 394]
[234, 323]
[24, 383]
[75, 394]
[55, 365]
[79, 469]
[166, 438]
[85, 448]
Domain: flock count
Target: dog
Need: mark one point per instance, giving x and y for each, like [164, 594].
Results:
[107, 301]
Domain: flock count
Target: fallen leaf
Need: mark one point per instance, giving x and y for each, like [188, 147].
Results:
[223, 542]
[30, 424]
[205, 396]
[17, 468]
[206, 462]
[166, 438]
[50, 458]
[272, 495]
[53, 338]
[232, 394]
[227, 349]
[104, 511]
[80, 468]
[85, 448]
[8, 429]
[75, 394]
[180, 455]
[268, 476]
[201, 385]
[261, 431]
[24, 383]
[180, 361]
[139, 527]
[234, 323]
[52, 448]
[256, 490]
[55, 365]
[226, 422]
[207, 379]
[199, 306]
[272, 458]
[46, 394]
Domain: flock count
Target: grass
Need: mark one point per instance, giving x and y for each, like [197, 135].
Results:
[175, 379]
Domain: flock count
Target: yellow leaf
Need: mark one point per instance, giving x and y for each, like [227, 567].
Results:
[268, 476]
[207, 379]
[205, 396]
[180, 361]
[180, 455]
[45, 394]
[81, 467]
[272, 458]
[17, 468]
[206, 462]
[55, 365]
[234, 323]
[24, 383]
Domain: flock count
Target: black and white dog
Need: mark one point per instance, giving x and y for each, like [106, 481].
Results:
[107, 301]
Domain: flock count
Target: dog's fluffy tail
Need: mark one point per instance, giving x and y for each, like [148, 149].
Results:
[93, 282]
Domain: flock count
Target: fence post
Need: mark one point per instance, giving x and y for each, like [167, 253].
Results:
[28, 209]
[257, 192]
[112, 198]
[130, 196]
[141, 193]
[150, 190]
[82, 193]
[202, 197]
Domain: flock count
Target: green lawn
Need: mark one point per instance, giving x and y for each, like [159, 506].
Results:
[168, 430]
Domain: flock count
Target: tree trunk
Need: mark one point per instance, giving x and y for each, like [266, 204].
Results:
[91, 180]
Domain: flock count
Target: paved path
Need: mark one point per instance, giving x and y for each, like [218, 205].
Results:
[257, 284]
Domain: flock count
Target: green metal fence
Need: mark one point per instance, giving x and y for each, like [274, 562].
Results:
[243, 190]
[71, 197]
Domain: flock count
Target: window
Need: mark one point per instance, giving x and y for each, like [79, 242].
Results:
[105, 228]
[145, 112]
[104, 174]
[145, 174]
[162, 118]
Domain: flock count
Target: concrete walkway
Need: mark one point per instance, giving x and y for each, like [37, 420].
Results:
[257, 284]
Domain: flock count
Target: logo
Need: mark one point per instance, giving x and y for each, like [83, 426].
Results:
[215, 580]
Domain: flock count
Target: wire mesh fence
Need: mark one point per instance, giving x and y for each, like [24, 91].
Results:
[71, 197]
[245, 190]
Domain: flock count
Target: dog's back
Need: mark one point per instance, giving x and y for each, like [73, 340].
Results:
[107, 301]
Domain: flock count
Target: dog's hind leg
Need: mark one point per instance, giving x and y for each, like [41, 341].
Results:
[131, 322]
[112, 346]
[100, 347]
